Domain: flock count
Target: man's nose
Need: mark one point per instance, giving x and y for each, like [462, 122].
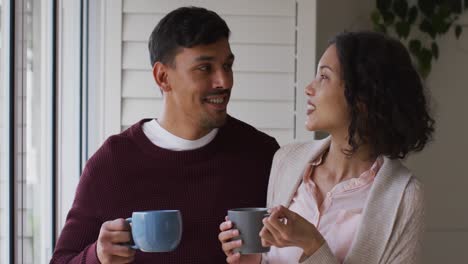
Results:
[222, 79]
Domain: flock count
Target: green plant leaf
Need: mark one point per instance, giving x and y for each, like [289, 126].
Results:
[400, 8]
[383, 5]
[424, 59]
[402, 28]
[412, 15]
[388, 17]
[445, 28]
[458, 31]
[415, 46]
[435, 50]
[444, 11]
[375, 17]
[380, 28]
[425, 56]
[427, 7]
[427, 27]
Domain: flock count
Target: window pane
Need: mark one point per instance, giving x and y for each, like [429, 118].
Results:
[35, 216]
[3, 146]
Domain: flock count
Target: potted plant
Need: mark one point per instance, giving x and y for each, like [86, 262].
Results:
[419, 24]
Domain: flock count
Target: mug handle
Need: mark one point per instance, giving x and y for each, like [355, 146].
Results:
[131, 243]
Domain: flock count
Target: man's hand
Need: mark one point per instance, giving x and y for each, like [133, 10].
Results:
[109, 243]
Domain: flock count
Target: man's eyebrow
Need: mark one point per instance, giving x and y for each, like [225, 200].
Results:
[210, 58]
[204, 58]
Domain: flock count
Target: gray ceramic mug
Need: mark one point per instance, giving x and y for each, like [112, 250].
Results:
[156, 231]
[249, 223]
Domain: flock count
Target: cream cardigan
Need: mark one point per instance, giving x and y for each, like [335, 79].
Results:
[392, 222]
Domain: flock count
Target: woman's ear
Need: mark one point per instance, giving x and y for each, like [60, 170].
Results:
[160, 75]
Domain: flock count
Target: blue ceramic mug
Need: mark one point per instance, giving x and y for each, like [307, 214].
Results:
[156, 231]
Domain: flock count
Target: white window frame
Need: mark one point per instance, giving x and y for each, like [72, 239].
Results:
[69, 119]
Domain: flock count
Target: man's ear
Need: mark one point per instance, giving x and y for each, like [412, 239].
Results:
[160, 75]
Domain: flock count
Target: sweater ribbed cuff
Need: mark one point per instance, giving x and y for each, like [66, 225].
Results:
[323, 255]
[91, 254]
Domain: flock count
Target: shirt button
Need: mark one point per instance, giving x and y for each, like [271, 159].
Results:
[328, 194]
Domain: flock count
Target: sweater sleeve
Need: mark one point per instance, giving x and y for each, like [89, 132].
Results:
[323, 255]
[406, 240]
[77, 241]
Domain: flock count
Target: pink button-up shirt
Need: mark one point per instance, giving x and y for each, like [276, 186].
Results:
[337, 218]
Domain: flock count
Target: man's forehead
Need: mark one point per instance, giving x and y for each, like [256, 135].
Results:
[205, 52]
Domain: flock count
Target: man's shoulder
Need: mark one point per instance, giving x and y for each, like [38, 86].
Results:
[241, 128]
[121, 142]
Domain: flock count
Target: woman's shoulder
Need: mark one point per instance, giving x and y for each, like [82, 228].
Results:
[413, 196]
[303, 148]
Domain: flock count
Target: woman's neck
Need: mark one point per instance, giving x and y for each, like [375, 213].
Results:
[342, 167]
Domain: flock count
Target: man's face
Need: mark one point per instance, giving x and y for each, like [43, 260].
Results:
[200, 82]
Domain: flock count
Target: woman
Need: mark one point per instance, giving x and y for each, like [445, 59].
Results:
[348, 198]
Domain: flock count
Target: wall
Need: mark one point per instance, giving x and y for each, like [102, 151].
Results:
[334, 16]
[440, 165]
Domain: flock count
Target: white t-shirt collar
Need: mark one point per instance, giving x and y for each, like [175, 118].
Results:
[165, 139]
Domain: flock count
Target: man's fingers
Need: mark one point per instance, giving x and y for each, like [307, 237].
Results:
[116, 225]
[121, 260]
[119, 236]
[122, 251]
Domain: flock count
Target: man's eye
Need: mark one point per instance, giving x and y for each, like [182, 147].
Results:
[323, 77]
[228, 67]
[204, 67]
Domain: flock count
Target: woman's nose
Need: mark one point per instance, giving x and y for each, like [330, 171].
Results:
[310, 90]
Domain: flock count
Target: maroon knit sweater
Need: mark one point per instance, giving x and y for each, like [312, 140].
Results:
[129, 173]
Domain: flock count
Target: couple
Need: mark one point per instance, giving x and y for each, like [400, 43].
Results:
[346, 198]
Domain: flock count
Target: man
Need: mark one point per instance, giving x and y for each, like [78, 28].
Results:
[194, 157]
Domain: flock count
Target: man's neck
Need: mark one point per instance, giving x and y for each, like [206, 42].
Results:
[183, 129]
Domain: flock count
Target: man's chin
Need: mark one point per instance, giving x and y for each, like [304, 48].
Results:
[216, 122]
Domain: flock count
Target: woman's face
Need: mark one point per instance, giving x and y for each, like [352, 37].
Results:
[327, 109]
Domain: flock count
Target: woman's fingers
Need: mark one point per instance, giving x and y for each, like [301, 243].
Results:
[226, 225]
[233, 258]
[267, 237]
[265, 243]
[229, 246]
[274, 230]
[225, 236]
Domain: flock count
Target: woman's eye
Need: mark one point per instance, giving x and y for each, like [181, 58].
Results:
[323, 77]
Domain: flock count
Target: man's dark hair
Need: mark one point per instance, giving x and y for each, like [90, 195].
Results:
[385, 94]
[185, 27]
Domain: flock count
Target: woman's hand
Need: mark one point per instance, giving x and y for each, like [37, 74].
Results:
[225, 237]
[284, 228]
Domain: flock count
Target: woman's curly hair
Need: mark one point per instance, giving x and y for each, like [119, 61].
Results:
[385, 94]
